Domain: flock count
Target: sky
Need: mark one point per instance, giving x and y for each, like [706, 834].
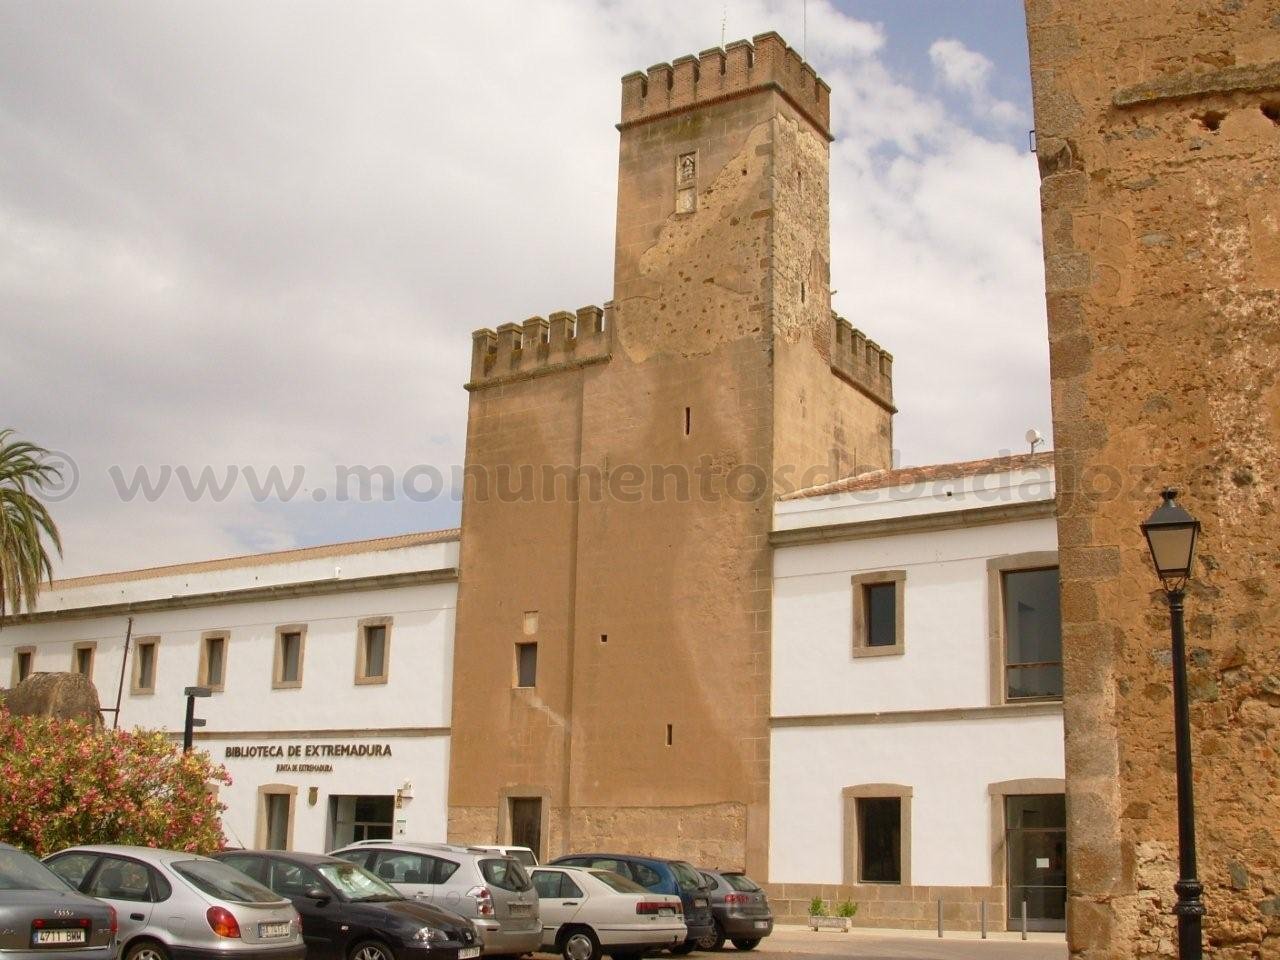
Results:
[241, 237]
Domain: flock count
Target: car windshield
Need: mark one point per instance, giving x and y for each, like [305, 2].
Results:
[357, 883]
[687, 877]
[505, 874]
[524, 857]
[740, 881]
[618, 882]
[19, 871]
[223, 882]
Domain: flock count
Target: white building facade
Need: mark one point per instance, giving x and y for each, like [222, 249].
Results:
[917, 741]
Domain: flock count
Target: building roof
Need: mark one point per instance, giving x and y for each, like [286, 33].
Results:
[907, 476]
[345, 549]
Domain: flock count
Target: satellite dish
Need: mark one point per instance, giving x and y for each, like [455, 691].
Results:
[1034, 438]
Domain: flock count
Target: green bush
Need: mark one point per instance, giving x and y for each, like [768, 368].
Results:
[817, 907]
[64, 783]
[848, 909]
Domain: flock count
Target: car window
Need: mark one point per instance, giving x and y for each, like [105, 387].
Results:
[709, 879]
[505, 874]
[646, 876]
[293, 879]
[444, 869]
[568, 888]
[21, 871]
[356, 883]
[120, 879]
[608, 863]
[255, 868]
[524, 857]
[362, 857]
[618, 882]
[740, 881]
[394, 866]
[686, 876]
[547, 883]
[73, 867]
[224, 882]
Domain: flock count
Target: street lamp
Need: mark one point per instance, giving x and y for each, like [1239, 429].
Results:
[188, 728]
[1171, 535]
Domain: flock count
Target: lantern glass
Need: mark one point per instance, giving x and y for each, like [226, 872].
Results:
[1171, 535]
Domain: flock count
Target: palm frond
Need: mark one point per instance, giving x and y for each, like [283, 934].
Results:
[27, 530]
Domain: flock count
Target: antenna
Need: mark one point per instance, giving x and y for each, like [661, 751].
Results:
[1034, 438]
[724, 19]
[804, 32]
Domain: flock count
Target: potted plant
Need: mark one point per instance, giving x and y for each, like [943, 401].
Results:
[819, 919]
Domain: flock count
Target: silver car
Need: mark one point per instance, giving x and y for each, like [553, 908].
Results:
[41, 918]
[489, 888]
[179, 906]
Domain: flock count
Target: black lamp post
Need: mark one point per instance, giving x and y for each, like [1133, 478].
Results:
[188, 728]
[1171, 534]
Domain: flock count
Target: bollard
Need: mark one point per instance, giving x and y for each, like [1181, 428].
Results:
[1024, 919]
[939, 917]
[982, 918]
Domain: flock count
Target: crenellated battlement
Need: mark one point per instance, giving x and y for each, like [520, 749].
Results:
[541, 345]
[723, 73]
[862, 362]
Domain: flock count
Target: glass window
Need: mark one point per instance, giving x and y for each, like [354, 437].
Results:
[505, 874]
[215, 651]
[73, 867]
[355, 856]
[84, 660]
[445, 869]
[741, 882]
[24, 664]
[224, 882]
[293, 879]
[144, 666]
[20, 871]
[276, 810]
[618, 882]
[119, 879]
[646, 876]
[686, 876]
[375, 651]
[526, 664]
[882, 617]
[547, 883]
[290, 657]
[396, 867]
[1033, 634]
[879, 840]
[255, 868]
[356, 883]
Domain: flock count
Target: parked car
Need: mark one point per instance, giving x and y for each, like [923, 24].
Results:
[347, 912]
[179, 906]
[40, 916]
[489, 889]
[588, 912]
[740, 909]
[657, 875]
[526, 856]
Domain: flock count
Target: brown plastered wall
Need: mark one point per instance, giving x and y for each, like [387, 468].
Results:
[1159, 151]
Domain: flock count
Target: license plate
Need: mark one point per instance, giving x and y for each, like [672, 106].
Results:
[762, 924]
[278, 929]
[59, 936]
[467, 953]
[519, 909]
[699, 902]
[666, 912]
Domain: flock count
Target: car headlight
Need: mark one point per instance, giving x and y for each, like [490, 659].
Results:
[430, 935]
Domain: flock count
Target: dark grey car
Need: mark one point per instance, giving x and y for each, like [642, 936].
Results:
[41, 918]
[740, 909]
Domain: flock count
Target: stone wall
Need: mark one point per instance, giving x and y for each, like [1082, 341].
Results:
[1158, 134]
[892, 906]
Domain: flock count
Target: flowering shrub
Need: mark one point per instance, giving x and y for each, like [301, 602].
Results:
[64, 783]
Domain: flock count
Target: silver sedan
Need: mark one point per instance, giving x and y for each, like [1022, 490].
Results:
[41, 918]
[179, 906]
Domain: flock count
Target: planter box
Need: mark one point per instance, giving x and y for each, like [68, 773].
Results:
[829, 923]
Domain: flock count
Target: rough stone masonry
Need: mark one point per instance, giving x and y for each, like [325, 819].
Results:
[1158, 136]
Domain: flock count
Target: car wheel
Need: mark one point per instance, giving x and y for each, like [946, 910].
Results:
[146, 950]
[687, 947]
[370, 950]
[749, 944]
[580, 944]
[713, 940]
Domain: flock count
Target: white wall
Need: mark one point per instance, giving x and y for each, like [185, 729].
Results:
[948, 764]
[946, 660]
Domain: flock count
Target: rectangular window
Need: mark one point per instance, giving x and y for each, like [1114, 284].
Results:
[82, 659]
[144, 665]
[275, 824]
[291, 644]
[24, 663]
[1032, 634]
[526, 664]
[879, 839]
[373, 650]
[213, 661]
[878, 616]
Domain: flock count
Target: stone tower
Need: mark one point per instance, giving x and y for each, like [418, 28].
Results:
[621, 470]
[1158, 135]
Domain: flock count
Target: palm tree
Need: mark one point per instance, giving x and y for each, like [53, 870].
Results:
[25, 523]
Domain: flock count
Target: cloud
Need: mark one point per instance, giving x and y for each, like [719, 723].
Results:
[969, 72]
[263, 238]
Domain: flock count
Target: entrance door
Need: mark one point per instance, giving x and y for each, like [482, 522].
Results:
[353, 818]
[526, 824]
[1036, 841]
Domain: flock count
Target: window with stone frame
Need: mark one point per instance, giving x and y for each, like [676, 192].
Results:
[1032, 634]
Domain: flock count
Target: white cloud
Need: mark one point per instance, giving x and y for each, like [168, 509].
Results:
[264, 239]
[969, 73]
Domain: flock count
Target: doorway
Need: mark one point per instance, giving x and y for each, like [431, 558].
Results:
[526, 823]
[1036, 841]
[353, 818]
